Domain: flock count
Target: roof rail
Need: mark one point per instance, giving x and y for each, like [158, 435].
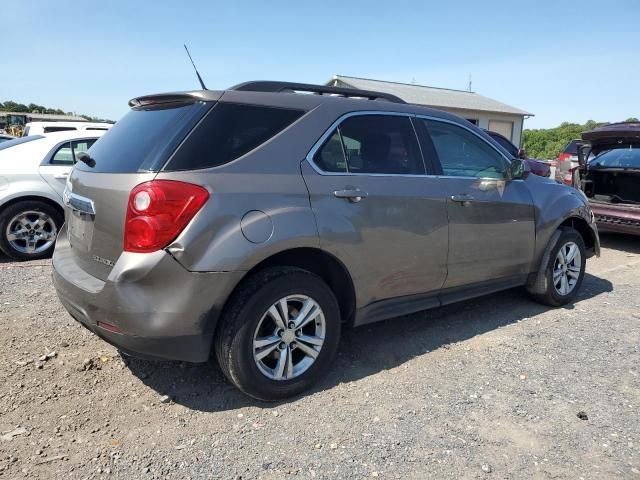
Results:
[272, 86]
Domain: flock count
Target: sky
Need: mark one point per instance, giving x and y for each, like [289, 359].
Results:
[563, 61]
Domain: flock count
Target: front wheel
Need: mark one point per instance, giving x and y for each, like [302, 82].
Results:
[28, 230]
[279, 333]
[564, 270]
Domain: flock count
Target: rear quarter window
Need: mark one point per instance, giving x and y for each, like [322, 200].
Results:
[228, 132]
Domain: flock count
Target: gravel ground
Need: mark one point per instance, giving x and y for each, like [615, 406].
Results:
[498, 387]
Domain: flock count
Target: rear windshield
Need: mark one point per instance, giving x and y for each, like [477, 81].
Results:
[572, 148]
[228, 132]
[18, 141]
[143, 139]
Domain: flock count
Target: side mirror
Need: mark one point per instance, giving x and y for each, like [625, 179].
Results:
[521, 153]
[584, 149]
[519, 169]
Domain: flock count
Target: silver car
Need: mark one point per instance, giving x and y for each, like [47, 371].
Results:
[257, 222]
[33, 174]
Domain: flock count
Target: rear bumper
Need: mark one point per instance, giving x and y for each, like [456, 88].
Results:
[618, 218]
[149, 307]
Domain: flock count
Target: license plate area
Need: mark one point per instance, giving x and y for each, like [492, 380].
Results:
[80, 230]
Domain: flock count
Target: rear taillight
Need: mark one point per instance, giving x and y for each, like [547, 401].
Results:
[158, 211]
[563, 157]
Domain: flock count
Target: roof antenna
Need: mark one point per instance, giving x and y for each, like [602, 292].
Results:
[469, 88]
[194, 67]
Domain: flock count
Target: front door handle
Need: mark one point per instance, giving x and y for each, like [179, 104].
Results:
[354, 195]
[61, 176]
[463, 198]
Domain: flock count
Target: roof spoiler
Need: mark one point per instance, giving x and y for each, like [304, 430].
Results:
[177, 98]
[275, 87]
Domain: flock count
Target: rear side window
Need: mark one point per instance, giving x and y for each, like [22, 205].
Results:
[63, 156]
[143, 139]
[228, 132]
[58, 129]
[375, 144]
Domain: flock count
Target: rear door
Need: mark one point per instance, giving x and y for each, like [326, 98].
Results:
[376, 209]
[491, 218]
[58, 164]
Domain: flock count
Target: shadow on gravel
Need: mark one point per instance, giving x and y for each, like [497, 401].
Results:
[621, 242]
[364, 351]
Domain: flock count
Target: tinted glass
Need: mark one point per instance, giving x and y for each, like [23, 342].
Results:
[381, 144]
[464, 154]
[228, 132]
[58, 129]
[63, 156]
[506, 144]
[572, 148]
[330, 157]
[143, 139]
[618, 158]
[18, 141]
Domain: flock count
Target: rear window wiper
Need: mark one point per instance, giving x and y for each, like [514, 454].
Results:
[86, 159]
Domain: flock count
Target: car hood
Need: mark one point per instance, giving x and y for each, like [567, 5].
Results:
[616, 135]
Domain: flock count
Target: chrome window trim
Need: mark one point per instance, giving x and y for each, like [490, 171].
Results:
[48, 158]
[336, 124]
[320, 142]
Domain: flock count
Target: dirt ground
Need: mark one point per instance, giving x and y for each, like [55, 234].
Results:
[498, 387]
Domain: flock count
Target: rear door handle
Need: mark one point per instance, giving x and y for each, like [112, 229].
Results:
[354, 195]
[463, 198]
[61, 176]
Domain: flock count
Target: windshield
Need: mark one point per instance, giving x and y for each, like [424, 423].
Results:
[618, 158]
[18, 141]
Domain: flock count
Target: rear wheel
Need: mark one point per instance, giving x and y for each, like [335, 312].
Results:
[564, 270]
[279, 333]
[28, 230]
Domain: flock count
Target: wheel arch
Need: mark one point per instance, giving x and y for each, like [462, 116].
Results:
[317, 261]
[588, 235]
[30, 198]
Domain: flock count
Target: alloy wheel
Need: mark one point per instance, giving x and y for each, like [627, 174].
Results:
[31, 232]
[289, 337]
[567, 268]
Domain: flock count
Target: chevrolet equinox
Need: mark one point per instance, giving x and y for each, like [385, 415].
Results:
[256, 222]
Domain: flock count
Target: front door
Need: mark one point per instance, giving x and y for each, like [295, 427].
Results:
[376, 209]
[491, 218]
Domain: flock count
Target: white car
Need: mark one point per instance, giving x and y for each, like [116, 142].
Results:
[39, 128]
[33, 175]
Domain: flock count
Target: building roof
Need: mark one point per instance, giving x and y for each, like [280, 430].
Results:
[46, 116]
[430, 96]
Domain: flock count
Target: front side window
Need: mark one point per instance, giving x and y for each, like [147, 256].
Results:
[63, 156]
[463, 154]
[374, 144]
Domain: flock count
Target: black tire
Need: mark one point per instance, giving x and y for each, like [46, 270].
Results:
[546, 292]
[234, 338]
[27, 206]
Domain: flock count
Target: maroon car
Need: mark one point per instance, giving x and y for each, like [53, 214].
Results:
[537, 167]
[611, 177]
